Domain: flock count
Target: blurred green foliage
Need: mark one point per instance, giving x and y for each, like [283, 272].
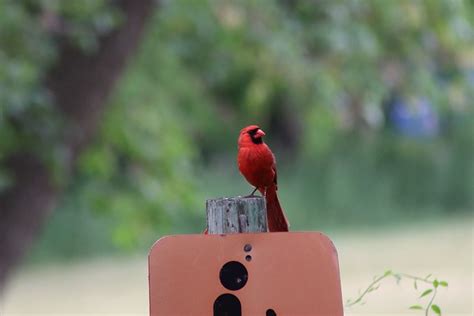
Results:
[316, 75]
[29, 36]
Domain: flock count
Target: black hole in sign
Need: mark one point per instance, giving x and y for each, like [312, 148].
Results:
[247, 247]
[248, 258]
[270, 312]
[233, 275]
[227, 305]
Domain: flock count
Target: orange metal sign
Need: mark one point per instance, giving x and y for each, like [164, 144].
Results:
[267, 274]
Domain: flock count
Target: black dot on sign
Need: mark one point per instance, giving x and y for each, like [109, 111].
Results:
[247, 247]
[270, 312]
[227, 305]
[248, 258]
[233, 275]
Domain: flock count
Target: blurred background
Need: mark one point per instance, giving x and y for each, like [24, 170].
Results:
[119, 118]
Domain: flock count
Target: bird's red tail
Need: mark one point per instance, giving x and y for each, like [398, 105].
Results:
[277, 221]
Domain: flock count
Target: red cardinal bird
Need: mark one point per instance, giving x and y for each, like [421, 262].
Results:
[257, 164]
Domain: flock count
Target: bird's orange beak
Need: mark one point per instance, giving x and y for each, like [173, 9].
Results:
[259, 133]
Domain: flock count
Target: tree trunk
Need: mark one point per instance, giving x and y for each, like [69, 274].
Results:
[80, 85]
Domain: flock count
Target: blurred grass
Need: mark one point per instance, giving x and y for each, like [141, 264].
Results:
[71, 234]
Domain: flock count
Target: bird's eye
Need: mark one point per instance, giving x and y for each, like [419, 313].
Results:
[253, 131]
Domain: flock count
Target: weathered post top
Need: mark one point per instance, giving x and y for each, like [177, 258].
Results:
[236, 215]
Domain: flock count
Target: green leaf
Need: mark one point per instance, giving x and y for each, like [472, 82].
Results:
[435, 283]
[436, 309]
[388, 272]
[415, 307]
[443, 283]
[426, 292]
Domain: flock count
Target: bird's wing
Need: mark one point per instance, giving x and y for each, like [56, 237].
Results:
[275, 178]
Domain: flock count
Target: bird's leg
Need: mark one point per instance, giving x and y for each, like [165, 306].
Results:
[253, 192]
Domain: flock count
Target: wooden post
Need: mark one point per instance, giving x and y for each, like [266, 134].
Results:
[236, 215]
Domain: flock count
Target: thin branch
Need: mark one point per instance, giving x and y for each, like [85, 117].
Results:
[427, 311]
[369, 289]
[408, 276]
